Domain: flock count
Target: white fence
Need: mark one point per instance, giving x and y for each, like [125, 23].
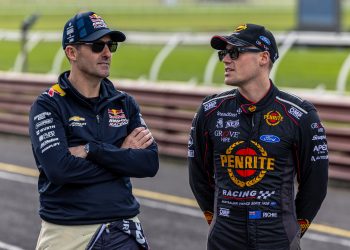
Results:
[171, 40]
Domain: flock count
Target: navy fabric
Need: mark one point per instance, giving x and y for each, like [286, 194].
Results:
[88, 27]
[77, 191]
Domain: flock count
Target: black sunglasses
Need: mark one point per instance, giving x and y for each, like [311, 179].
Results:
[98, 46]
[234, 52]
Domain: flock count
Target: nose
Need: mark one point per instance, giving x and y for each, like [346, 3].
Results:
[227, 59]
[106, 51]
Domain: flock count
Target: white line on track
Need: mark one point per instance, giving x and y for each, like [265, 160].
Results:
[5, 246]
[170, 208]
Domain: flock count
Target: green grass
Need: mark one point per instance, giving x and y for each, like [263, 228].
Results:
[311, 67]
[8, 53]
[302, 67]
[42, 56]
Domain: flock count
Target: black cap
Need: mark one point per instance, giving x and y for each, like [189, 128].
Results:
[248, 35]
[88, 27]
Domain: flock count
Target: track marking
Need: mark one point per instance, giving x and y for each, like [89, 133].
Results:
[6, 246]
[28, 175]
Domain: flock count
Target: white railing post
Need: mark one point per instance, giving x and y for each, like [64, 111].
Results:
[162, 55]
[342, 76]
[286, 45]
[210, 68]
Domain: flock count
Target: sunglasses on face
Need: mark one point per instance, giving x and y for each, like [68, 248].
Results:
[234, 52]
[98, 46]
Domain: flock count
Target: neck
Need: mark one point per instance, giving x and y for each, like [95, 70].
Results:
[255, 91]
[87, 86]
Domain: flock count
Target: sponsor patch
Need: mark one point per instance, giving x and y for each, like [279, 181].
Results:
[270, 138]
[209, 105]
[295, 112]
[224, 212]
[254, 215]
[246, 166]
[273, 118]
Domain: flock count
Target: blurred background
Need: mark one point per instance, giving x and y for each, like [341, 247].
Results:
[163, 34]
[167, 64]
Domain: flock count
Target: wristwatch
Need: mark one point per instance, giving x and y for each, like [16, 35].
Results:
[87, 148]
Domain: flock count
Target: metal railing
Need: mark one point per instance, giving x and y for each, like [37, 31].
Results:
[171, 40]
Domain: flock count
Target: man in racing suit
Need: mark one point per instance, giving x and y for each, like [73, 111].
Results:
[247, 145]
[88, 139]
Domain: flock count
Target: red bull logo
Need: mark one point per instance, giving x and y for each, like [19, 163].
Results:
[56, 89]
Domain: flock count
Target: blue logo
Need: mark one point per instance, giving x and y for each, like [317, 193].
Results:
[254, 215]
[265, 40]
[270, 138]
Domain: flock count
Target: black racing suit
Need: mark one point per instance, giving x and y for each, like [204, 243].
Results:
[243, 158]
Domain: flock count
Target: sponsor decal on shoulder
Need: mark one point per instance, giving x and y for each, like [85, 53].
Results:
[295, 112]
[270, 138]
[209, 105]
[273, 118]
[42, 116]
[56, 89]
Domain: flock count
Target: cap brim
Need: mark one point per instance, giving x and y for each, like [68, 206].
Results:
[220, 42]
[116, 35]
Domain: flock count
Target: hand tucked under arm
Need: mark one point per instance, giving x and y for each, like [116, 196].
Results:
[78, 151]
[139, 138]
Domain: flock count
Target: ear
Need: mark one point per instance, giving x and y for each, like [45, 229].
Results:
[71, 52]
[265, 58]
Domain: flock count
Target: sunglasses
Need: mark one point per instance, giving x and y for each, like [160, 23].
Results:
[234, 52]
[98, 47]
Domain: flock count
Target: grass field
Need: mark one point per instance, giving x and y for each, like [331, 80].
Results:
[302, 67]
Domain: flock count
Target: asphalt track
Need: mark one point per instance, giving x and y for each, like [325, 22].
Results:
[170, 216]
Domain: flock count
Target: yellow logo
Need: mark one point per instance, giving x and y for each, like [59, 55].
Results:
[273, 118]
[240, 28]
[56, 89]
[246, 166]
[76, 119]
[252, 108]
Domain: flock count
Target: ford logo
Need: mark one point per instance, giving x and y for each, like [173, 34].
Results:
[270, 138]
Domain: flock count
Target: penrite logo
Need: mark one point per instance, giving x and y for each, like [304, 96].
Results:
[273, 118]
[246, 166]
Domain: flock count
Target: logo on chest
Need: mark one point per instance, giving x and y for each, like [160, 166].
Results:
[117, 118]
[246, 166]
[273, 118]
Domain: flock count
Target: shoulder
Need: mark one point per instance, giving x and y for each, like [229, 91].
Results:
[295, 106]
[214, 101]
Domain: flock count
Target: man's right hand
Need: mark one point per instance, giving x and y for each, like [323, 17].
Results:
[139, 138]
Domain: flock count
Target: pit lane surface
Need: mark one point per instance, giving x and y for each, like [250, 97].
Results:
[170, 217]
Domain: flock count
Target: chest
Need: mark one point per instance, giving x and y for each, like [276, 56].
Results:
[108, 124]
